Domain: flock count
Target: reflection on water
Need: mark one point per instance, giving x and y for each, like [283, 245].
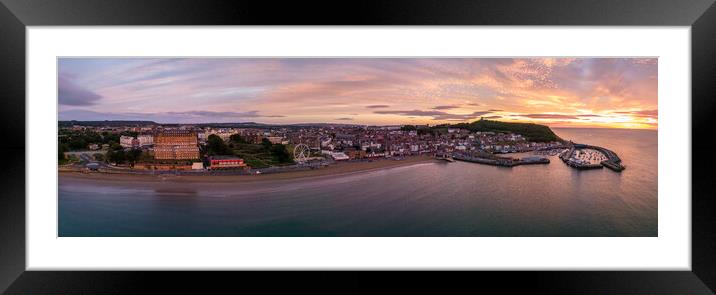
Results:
[432, 199]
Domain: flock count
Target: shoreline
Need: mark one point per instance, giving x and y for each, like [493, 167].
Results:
[337, 169]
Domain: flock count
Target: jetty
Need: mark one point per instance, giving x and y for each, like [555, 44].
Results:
[499, 161]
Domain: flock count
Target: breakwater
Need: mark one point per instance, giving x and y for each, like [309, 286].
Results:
[498, 161]
[612, 160]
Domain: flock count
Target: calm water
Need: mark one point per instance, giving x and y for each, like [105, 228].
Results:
[431, 199]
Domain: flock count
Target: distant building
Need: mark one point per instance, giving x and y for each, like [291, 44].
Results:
[176, 145]
[256, 138]
[94, 146]
[227, 162]
[125, 141]
[275, 139]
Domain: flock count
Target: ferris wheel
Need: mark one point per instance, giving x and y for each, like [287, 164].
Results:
[301, 153]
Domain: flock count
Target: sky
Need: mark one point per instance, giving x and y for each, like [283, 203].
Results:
[558, 92]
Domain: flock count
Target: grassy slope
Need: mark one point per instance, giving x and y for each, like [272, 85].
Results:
[533, 132]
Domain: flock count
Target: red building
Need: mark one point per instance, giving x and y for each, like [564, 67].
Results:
[176, 145]
[219, 162]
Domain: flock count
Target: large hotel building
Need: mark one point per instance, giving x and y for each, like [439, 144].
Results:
[176, 145]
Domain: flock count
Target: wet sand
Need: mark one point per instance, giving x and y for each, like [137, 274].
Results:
[341, 168]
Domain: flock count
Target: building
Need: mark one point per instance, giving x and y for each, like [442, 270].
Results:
[355, 154]
[339, 156]
[176, 145]
[227, 162]
[145, 139]
[202, 136]
[275, 139]
[125, 141]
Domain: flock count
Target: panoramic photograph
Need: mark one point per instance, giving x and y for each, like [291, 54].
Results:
[357, 147]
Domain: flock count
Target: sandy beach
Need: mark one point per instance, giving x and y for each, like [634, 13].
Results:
[341, 168]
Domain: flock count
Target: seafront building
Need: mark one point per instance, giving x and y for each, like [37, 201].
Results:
[227, 162]
[176, 145]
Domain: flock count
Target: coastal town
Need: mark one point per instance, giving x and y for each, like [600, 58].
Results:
[355, 147]
[145, 147]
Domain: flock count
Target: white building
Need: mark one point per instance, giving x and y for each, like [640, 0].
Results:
[125, 141]
[325, 141]
[201, 135]
[145, 140]
[339, 156]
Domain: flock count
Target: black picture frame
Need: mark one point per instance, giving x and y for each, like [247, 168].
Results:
[16, 15]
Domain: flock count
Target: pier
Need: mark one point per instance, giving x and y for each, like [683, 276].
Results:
[499, 161]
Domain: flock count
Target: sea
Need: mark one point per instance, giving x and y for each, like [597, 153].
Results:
[434, 199]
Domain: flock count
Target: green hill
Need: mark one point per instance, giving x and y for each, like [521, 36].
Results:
[533, 132]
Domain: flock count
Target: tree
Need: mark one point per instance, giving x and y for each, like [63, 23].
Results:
[109, 138]
[116, 156]
[133, 156]
[77, 143]
[236, 138]
[62, 149]
[266, 143]
[216, 146]
[424, 130]
[129, 133]
[408, 128]
[281, 154]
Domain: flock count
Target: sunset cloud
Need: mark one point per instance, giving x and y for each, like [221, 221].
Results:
[603, 92]
[164, 117]
[436, 115]
[446, 107]
[644, 113]
[549, 116]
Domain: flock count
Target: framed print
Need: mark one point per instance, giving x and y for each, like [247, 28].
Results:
[415, 138]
